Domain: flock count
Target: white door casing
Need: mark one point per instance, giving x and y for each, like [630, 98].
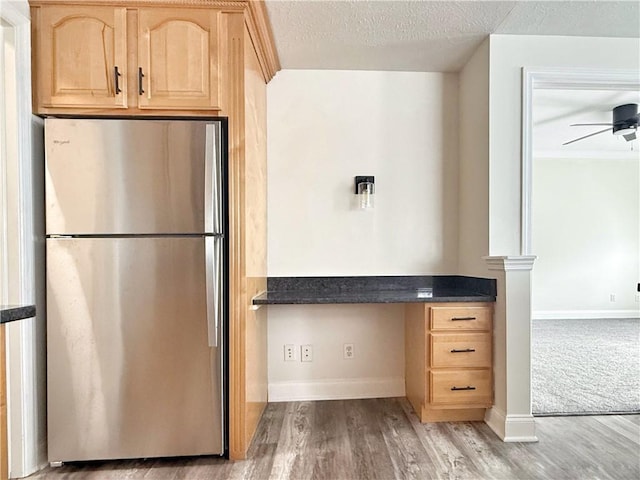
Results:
[25, 339]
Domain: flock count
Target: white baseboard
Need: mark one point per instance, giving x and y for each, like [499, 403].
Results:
[583, 314]
[337, 389]
[511, 428]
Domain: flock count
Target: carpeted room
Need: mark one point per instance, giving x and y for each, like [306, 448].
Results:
[585, 352]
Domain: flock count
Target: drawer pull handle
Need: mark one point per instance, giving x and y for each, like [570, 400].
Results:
[466, 350]
[457, 319]
[463, 388]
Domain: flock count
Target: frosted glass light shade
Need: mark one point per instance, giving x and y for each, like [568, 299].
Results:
[365, 195]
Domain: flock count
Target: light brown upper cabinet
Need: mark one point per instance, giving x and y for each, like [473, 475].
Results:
[178, 57]
[82, 56]
[88, 58]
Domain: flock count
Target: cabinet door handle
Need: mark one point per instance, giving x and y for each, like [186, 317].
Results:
[466, 350]
[140, 77]
[468, 387]
[457, 319]
[117, 74]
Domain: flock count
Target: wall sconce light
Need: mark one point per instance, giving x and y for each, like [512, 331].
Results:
[365, 188]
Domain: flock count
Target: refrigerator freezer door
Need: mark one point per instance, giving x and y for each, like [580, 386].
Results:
[214, 205]
[130, 372]
[118, 176]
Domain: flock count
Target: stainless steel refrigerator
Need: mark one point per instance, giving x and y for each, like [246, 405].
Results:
[136, 287]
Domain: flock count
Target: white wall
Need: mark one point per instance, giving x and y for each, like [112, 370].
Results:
[326, 127]
[586, 234]
[473, 242]
[376, 370]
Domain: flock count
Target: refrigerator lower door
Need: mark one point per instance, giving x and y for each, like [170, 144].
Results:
[130, 370]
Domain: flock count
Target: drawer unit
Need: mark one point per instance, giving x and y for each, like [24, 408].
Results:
[448, 355]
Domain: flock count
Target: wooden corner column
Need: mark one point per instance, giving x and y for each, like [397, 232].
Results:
[248, 70]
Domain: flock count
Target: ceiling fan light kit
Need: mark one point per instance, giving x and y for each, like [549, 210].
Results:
[625, 123]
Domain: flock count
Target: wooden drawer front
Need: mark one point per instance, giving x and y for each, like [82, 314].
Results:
[461, 350]
[460, 318]
[460, 387]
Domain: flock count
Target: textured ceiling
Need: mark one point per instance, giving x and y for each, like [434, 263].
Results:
[425, 35]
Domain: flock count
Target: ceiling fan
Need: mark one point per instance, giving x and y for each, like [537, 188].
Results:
[625, 123]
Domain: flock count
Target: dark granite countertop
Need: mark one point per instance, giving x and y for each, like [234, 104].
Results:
[376, 289]
[10, 313]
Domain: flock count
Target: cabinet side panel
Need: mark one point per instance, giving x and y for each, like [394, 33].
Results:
[256, 232]
[233, 27]
[415, 354]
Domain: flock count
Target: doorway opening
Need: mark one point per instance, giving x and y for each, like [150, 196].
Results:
[584, 227]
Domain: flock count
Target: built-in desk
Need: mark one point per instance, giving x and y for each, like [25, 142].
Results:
[448, 333]
[11, 313]
[377, 289]
[8, 313]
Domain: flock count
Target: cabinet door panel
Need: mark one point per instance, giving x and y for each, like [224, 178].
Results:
[178, 54]
[80, 47]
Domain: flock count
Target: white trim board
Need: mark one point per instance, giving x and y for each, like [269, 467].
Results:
[25, 358]
[583, 314]
[511, 428]
[337, 389]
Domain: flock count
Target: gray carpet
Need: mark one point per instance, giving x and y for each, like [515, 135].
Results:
[585, 366]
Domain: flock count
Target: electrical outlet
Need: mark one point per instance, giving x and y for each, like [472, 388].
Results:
[637, 297]
[306, 352]
[289, 353]
[612, 297]
[348, 351]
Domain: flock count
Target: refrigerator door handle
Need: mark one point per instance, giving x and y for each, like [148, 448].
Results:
[213, 287]
[213, 180]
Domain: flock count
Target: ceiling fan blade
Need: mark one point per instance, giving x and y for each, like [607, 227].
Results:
[587, 136]
[588, 124]
[630, 136]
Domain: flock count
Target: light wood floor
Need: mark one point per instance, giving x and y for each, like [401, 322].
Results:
[382, 439]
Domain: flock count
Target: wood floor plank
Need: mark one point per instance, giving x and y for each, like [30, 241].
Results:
[622, 425]
[440, 464]
[410, 460]
[486, 459]
[371, 458]
[330, 447]
[262, 451]
[383, 439]
[295, 434]
[632, 418]
[585, 449]
[454, 464]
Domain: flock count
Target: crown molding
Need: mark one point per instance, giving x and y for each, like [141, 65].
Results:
[255, 14]
[230, 5]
